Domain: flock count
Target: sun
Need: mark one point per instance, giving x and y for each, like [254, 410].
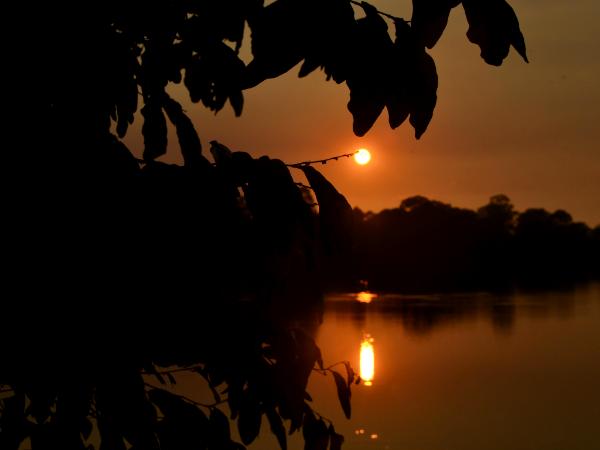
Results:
[362, 156]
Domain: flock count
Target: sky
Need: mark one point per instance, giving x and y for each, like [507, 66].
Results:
[529, 131]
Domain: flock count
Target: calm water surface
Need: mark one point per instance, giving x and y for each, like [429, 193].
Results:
[466, 372]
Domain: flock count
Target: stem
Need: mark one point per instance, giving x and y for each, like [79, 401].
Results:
[187, 399]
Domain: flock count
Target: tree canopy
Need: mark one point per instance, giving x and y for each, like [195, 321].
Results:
[123, 272]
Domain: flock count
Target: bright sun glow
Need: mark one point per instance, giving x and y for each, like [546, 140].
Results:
[362, 156]
[367, 360]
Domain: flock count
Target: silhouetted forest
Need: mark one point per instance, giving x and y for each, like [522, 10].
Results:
[425, 245]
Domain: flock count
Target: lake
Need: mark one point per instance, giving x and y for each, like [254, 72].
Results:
[462, 372]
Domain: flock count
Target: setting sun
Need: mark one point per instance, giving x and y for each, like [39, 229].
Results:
[362, 156]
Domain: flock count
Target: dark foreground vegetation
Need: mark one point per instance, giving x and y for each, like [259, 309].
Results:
[122, 273]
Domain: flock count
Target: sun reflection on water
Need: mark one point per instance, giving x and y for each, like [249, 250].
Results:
[367, 360]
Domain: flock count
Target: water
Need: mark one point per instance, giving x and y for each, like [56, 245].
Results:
[485, 372]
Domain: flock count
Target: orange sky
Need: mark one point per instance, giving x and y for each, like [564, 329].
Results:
[526, 130]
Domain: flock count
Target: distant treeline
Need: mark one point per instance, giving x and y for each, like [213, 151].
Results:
[426, 245]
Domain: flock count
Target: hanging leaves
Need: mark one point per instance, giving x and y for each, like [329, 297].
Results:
[183, 425]
[425, 83]
[277, 427]
[315, 433]
[249, 419]
[429, 19]
[413, 91]
[336, 440]
[189, 142]
[343, 392]
[350, 373]
[219, 432]
[493, 25]
[368, 89]
[335, 213]
[277, 40]
[215, 75]
[329, 41]
[222, 19]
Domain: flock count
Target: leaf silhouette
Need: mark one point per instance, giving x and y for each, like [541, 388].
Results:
[316, 435]
[214, 76]
[249, 419]
[277, 427]
[335, 213]
[183, 425]
[219, 432]
[413, 90]
[336, 440]
[329, 41]
[493, 25]
[276, 41]
[154, 130]
[429, 19]
[367, 80]
[189, 142]
[425, 93]
[349, 372]
[343, 392]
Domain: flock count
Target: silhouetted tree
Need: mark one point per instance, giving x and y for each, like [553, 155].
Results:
[426, 245]
[123, 272]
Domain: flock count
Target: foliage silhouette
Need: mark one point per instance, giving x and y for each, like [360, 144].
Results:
[122, 273]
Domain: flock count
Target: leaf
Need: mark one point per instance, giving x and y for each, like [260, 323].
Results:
[350, 372]
[220, 434]
[160, 378]
[174, 406]
[236, 98]
[221, 153]
[368, 79]
[413, 89]
[86, 428]
[307, 67]
[183, 426]
[15, 428]
[249, 419]
[277, 46]
[189, 142]
[425, 94]
[277, 427]
[214, 76]
[316, 435]
[335, 215]
[493, 25]
[336, 440]
[365, 105]
[429, 19]
[330, 40]
[320, 358]
[343, 391]
[116, 159]
[154, 130]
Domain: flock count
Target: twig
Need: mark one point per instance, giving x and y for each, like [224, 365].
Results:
[321, 161]
[187, 399]
[381, 13]
[181, 369]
